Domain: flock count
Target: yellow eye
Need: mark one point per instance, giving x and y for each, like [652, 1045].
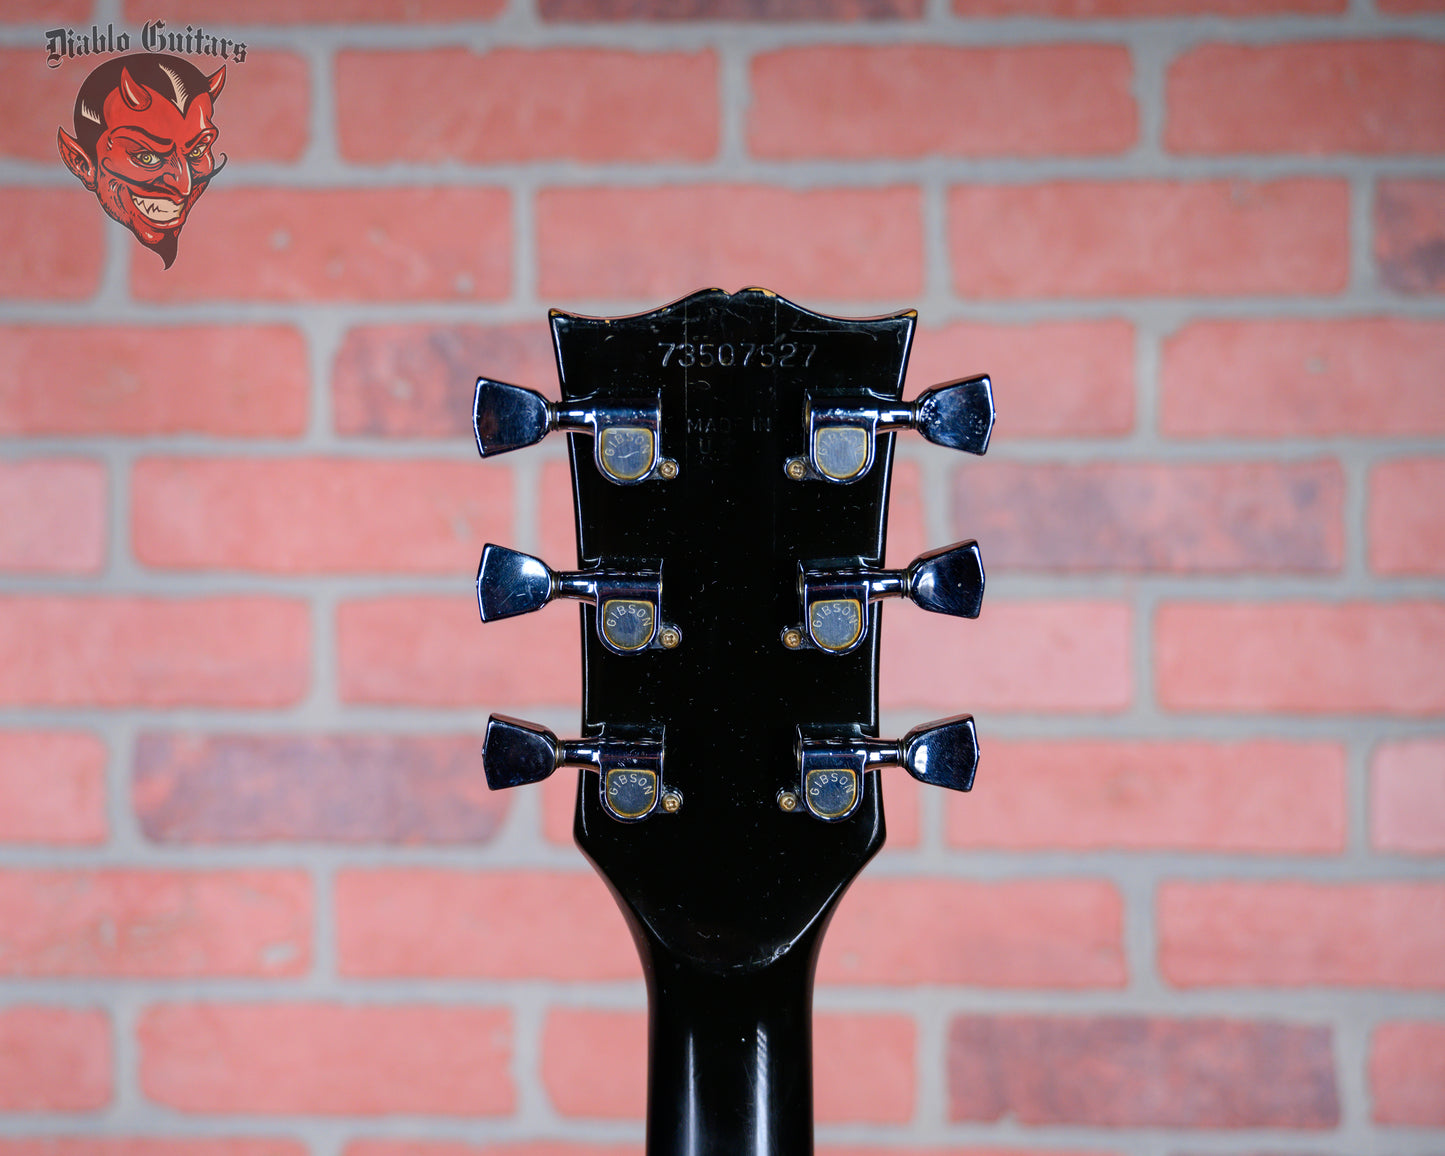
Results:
[146, 158]
[198, 152]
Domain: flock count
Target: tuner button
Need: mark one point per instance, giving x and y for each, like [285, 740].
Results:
[943, 753]
[958, 415]
[516, 752]
[510, 582]
[508, 417]
[948, 580]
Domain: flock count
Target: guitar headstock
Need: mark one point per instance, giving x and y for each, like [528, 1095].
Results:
[730, 465]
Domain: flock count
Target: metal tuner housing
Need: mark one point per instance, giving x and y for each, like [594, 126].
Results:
[628, 603]
[629, 765]
[835, 600]
[830, 767]
[624, 433]
[843, 431]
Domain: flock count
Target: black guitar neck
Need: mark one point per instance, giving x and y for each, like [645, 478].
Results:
[730, 462]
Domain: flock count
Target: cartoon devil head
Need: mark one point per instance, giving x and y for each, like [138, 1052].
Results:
[142, 144]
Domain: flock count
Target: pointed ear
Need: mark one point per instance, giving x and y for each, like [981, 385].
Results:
[215, 82]
[76, 160]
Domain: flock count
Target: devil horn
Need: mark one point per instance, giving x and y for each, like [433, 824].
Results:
[133, 94]
[216, 81]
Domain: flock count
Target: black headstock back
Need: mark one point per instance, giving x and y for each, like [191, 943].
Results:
[730, 456]
[730, 875]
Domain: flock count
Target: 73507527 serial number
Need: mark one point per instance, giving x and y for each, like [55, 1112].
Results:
[706, 354]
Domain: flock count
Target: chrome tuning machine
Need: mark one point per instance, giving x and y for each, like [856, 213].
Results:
[624, 432]
[628, 602]
[835, 601]
[629, 766]
[843, 430]
[830, 767]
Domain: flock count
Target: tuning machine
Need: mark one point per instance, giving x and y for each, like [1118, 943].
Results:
[830, 766]
[629, 765]
[624, 432]
[835, 600]
[628, 602]
[843, 430]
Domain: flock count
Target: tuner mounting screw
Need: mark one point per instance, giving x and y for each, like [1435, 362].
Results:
[671, 802]
[797, 469]
[787, 801]
[667, 469]
[792, 639]
[669, 637]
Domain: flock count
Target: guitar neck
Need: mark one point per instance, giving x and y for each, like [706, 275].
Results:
[730, 463]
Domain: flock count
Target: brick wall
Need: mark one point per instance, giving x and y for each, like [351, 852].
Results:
[254, 897]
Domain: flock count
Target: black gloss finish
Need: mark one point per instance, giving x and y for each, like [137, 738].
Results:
[943, 753]
[510, 583]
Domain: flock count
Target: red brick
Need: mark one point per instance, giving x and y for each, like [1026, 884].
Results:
[1149, 238]
[518, 105]
[317, 515]
[31, 112]
[1302, 657]
[54, 1059]
[328, 1059]
[406, 244]
[1408, 6]
[1299, 934]
[118, 651]
[656, 243]
[434, 651]
[344, 788]
[1246, 516]
[52, 787]
[232, 380]
[1406, 522]
[1131, 1070]
[1110, 9]
[418, 380]
[148, 1146]
[47, 11]
[861, 102]
[450, 1148]
[1366, 376]
[51, 243]
[165, 924]
[1013, 933]
[264, 112]
[1034, 656]
[1407, 797]
[594, 1063]
[750, 10]
[1060, 378]
[1260, 796]
[260, 116]
[1407, 1072]
[556, 527]
[559, 806]
[1410, 235]
[55, 516]
[907, 523]
[323, 11]
[492, 925]
[1341, 96]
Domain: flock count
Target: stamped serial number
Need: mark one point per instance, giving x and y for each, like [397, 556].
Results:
[706, 354]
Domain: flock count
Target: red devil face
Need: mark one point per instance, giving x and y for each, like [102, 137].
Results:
[152, 161]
